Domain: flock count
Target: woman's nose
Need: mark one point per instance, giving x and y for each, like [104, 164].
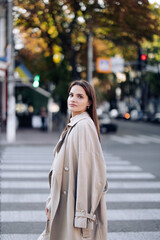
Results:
[73, 98]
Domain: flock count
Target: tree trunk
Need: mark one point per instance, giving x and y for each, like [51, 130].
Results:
[75, 74]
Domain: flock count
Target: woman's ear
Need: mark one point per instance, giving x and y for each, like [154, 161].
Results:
[90, 103]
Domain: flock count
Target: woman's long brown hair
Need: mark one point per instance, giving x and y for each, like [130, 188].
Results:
[92, 99]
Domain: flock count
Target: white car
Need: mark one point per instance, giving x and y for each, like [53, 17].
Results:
[106, 125]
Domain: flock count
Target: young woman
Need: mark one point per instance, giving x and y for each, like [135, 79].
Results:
[76, 206]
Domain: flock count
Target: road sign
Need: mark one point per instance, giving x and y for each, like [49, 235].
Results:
[117, 64]
[108, 65]
[103, 65]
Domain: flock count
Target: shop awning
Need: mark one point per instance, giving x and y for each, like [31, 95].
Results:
[3, 68]
[22, 73]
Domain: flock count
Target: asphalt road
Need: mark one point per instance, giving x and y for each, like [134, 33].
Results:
[133, 200]
[135, 191]
[138, 142]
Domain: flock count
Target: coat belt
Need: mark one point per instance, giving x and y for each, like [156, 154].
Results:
[86, 215]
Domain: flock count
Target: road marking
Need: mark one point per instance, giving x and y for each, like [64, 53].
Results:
[24, 198]
[133, 185]
[154, 138]
[148, 138]
[29, 162]
[110, 197]
[19, 236]
[17, 174]
[112, 185]
[123, 168]
[136, 139]
[25, 185]
[113, 215]
[47, 168]
[16, 167]
[133, 197]
[111, 236]
[133, 214]
[27, 158]
[118, 163]
[34, 163]
[130, 139]
[111, 157]
[44, 163]
[134, 235]
[23, 216]
[130, 175]
[121, 139]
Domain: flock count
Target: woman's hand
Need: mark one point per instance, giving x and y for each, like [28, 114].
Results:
[47, 213]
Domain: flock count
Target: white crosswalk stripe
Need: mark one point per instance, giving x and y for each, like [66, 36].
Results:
[24, 182]
[113, 215]
[134, 185]
[111, 236]
[110, 197]
[134, 235]
[133, 197]
[46, 168]
[19, 236]
[24, 185]
[112, 185]
[138, 139]
[34, 175]
[24, 198]
[134, 175]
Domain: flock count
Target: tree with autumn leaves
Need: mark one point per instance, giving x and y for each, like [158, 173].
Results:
[55, 33]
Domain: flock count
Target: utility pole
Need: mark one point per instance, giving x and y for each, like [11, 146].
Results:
[90, 58]
[11, 118]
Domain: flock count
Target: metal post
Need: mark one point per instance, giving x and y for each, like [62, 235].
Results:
[50, 125]
[90, 58]
[11, 118]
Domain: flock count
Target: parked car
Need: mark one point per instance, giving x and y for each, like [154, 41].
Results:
[156, 118]
[106, 125]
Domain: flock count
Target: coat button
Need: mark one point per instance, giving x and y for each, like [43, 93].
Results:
[64, 192]
[66, 169]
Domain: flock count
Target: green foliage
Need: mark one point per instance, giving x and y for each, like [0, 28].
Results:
[121, 25]
[105, 85]
[154, 82]
[153, 50]
[63, 77]
[67, 23]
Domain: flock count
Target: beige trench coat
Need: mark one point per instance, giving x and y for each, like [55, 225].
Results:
[78, 185]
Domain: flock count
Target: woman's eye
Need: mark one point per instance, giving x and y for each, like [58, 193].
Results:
[71, 95]
[80, 97]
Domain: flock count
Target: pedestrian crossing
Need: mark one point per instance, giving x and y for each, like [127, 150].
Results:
[133, 198]
[138, 139]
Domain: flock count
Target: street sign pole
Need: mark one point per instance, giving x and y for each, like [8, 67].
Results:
[90, 58]
[11, 118]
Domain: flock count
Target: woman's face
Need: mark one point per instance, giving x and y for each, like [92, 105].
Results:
[77, 100]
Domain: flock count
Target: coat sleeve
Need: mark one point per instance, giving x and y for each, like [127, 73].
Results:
[91, 175]
[48, 202]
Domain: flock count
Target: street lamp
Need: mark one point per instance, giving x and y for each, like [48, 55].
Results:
[11, 117]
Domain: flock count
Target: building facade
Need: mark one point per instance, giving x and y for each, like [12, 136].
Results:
[3, 65]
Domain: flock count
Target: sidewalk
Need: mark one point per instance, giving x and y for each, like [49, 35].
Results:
[31, 137]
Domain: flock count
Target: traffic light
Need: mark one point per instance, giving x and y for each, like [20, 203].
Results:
[36, 81]
[144, 57]
[142, 60]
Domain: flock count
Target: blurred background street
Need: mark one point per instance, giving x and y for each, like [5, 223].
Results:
[114, 45]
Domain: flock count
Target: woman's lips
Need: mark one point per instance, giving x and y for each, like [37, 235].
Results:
[72, 105]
